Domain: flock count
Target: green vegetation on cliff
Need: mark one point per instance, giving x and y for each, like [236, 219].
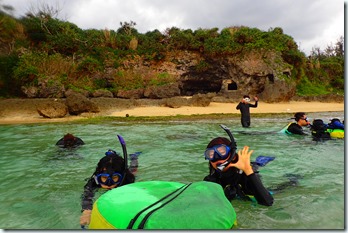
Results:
[41, 48]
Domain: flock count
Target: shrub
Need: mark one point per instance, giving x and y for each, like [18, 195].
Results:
[89, 66]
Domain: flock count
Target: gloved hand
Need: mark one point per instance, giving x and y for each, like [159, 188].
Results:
[85, 217]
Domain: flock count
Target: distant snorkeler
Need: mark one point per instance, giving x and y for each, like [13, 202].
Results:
[319, 130]
[296, 127]
[70, 141]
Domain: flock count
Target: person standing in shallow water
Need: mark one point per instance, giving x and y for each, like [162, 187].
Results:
[244, 107]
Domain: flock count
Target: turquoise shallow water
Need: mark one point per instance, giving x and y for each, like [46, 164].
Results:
[42, 184]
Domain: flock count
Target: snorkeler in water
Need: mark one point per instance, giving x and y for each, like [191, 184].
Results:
[296, 127]
[319, 130]
[70, 141]
[234, 171]
[110, 173]
[335, 123]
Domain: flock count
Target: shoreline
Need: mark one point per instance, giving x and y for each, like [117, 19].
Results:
[230, 108]
[20, 112]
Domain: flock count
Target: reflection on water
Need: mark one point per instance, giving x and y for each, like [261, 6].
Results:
[42, 183]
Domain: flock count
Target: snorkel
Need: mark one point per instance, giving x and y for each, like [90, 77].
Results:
[233, 148]
[125, 156]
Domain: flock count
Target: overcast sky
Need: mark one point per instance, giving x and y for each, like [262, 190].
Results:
[312, 23]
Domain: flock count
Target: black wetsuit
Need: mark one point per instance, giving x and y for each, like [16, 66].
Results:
[91, 187]
[245, 111]
[294, 128]
[241, 185]
[77, 142]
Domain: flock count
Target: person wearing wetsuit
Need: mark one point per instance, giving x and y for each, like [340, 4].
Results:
[244, 107]
[335, 123]
[319, 130]
[296, 127]
[110, 173]
[239, 178]
[69, 141]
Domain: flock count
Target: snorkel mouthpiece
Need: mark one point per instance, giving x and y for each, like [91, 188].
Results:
[222, 166]
[233, 148]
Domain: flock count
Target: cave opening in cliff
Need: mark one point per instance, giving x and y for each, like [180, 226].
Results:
[271, 78]
[232, 86]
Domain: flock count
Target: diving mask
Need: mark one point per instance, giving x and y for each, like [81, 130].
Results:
[217, 152]
[107, 179]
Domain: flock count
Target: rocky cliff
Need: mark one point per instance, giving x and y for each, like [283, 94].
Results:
[264, 74]
[225, 78]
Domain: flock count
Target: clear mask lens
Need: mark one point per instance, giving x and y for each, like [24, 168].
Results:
[217, 152]
[108, 179]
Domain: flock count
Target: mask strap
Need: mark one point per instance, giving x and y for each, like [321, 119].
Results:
[233, 147]
[96, 179]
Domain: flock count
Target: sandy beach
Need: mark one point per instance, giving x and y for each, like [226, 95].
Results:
[21, 111]
[230, 108]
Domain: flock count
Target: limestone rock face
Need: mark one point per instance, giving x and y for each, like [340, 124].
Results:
[160, 92]
[78, 103]
[279, 91]
[102, 93]
[53, 110]
[263, 73]
[254, 73]
[46, 88]
[131, 94]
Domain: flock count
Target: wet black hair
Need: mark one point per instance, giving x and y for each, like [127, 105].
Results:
[111, 162]
[246, 96]
[334, 120]
[218, 141]
[69, 140]
[299, 115]
[114, 163]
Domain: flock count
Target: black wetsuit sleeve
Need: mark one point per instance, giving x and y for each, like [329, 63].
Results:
[88, 194]
[296, 129]
[261, 194]
[60, 142]
[130, 178]
[79, 141]
[254, 105]
[210, 178]
[239, 105]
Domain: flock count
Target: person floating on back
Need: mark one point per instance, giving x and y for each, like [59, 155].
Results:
[244, 107]
[69, 141]
[296, 127]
